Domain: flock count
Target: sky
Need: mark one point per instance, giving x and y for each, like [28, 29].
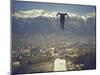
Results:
[24, 5]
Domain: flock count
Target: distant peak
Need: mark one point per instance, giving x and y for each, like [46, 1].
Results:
[45, 13]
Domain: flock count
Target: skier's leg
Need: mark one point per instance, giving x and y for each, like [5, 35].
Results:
[62, 23]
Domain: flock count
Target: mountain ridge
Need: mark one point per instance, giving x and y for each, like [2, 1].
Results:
[45, 13]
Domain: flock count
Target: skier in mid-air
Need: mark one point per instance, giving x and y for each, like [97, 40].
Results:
[62, 19]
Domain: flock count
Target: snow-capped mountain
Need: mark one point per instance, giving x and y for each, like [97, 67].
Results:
[41, 21]
[34, 13]
[45, 13]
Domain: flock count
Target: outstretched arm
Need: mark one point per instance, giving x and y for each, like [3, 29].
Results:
[58, 14]
[67, 15]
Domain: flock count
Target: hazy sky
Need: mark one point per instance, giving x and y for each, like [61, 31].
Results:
[80, 9]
